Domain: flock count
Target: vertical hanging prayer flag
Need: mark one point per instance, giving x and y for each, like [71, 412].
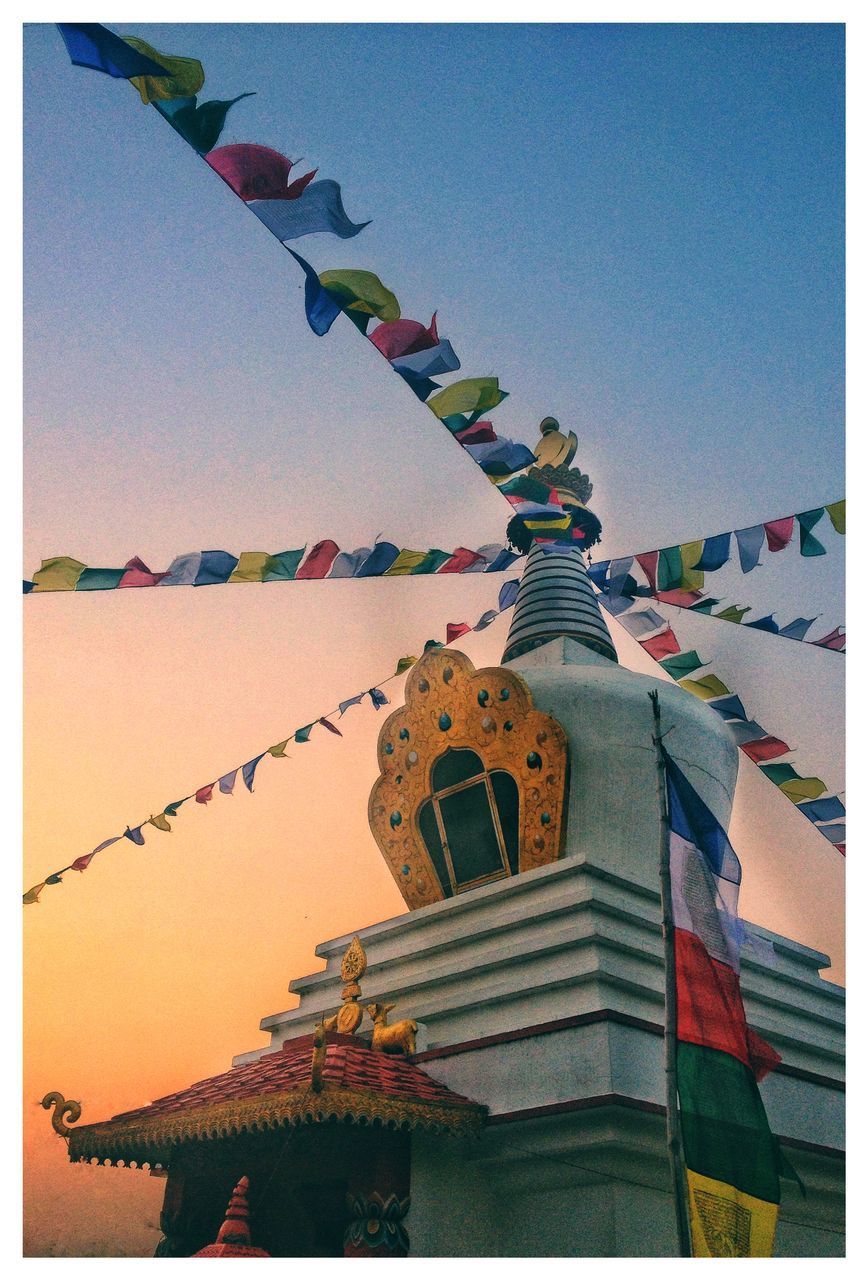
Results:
[779, 533]
[715, 553]
[808, 544]
[838, 515]
[731, 1158]
[750, 543]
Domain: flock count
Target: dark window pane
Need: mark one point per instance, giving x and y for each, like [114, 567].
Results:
[470, 834]
[431, 836]
[506, 799]
[455, 766]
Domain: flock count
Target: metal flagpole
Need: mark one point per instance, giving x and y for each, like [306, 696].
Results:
[670, 1041]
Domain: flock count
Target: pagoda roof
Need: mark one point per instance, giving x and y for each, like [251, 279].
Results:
[353, 1083]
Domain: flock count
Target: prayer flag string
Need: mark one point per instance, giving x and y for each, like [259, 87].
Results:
[323, 560]
[226, 782]
[659, 641]
[259, 177]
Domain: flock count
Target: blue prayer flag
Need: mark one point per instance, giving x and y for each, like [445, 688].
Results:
[249, 769]
[730, 708]
[827, 810]
[750, 543]
[318, 208]
[320, 306]
[715, 553]
[91, 45]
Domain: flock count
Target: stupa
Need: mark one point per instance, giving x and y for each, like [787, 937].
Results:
[517, 808]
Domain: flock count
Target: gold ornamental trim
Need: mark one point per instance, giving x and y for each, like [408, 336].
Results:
[155, 1139]
[449, 704]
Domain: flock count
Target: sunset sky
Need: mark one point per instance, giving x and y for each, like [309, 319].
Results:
[638, 229]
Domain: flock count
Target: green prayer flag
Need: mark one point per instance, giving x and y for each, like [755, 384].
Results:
[838, 515]
[302, 735]
[404, 664]
[681, 664]
[283, 565]
[99, 579]
[669, 569]
[732, 613]
[723, 1123]
[808, 544]
[704, 606]
[432, 562]
[779, 773]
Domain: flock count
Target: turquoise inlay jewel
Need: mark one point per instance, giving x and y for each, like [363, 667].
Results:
[388, 748]
[504, 694]
[545, 819]
[405, 870]
[424, 686]
[482, 697]
[533, 760]
[445, 721]
[395, 819]
[404, 735]
[507, 724]
[448, 673]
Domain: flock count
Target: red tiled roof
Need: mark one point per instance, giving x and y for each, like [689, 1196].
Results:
[357, 1083]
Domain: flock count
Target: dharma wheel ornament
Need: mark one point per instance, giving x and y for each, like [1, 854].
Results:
[348, 1018]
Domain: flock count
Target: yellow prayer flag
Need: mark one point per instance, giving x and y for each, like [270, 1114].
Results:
[470, 395]
[278, 750]
[404, 664]
[60, 573]
[691, 578]
[838, 515]
[406, 562]
[361, 291]
[252, 566]
[542, 525]
[798, 789]
[186, 75]
[727, 1223]
[32, 895]
[707, 687]
[161, 822]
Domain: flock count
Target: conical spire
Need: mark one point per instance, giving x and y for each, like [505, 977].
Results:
[233, 1239]
[556, 600]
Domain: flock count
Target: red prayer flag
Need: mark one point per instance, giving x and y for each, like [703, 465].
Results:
[319, 560]
[841, 849]
[396, 338]
[779, 533]
[460, 560]
[710, 1007]
[834, 640]
[682, 599]
[479, 433]
[139, 575]
[648, 561]
[203, 795]
[662, 646]
[454, 630]
[82, 864]
[767, 748]
[327, 724]
[295, 189]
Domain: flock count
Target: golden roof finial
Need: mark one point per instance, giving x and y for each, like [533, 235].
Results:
[353, 966]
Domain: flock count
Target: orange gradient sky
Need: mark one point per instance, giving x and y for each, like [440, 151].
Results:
[677, 316]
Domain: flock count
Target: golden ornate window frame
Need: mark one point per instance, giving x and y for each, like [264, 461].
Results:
[449, 704]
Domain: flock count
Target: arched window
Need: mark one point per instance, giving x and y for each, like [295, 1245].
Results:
[470, 822]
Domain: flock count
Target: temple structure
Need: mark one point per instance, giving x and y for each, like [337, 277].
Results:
[517, 1106]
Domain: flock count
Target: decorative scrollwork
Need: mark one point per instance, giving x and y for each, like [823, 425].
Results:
[62, 1107]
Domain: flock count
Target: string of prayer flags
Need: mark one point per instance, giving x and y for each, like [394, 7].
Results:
[752, 739]
[682, 567]
[226, 782]
[323, 560]
[719, 1057]
[260, 177]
